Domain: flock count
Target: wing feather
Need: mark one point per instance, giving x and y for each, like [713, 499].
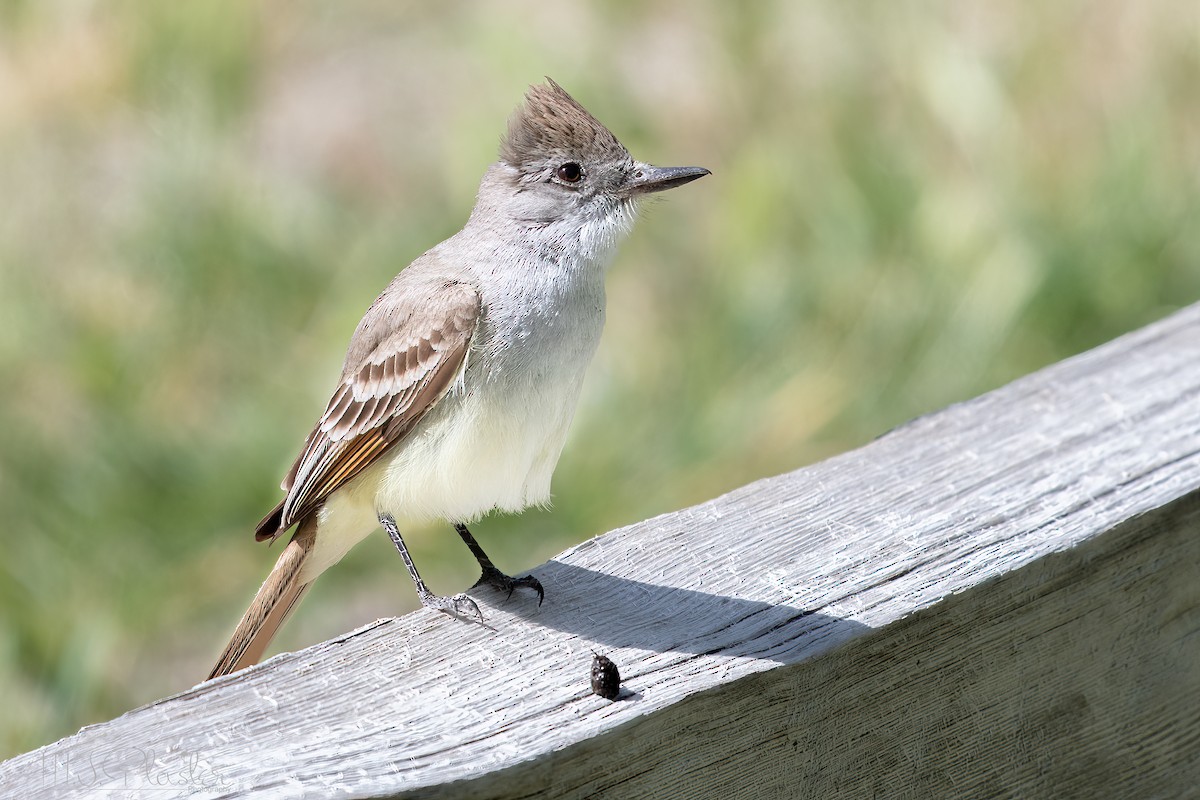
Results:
[383, 393]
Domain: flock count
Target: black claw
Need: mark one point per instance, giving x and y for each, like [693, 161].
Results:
[499, 581]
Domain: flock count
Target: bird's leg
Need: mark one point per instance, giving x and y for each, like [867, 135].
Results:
[457, 606]
[492, 576]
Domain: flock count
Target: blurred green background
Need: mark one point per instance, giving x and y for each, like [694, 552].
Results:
[910, 204]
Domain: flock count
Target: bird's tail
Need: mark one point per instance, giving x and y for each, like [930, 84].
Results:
[279, 595]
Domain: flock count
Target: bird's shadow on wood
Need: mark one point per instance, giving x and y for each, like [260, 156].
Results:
[617, 612]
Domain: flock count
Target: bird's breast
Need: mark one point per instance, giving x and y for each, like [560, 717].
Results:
[493, 442]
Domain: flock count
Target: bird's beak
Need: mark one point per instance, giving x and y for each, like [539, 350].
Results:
[646, 179]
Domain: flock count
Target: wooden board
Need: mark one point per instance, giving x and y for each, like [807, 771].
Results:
[1000, 599]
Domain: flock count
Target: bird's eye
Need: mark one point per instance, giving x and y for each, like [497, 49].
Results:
[569, 172]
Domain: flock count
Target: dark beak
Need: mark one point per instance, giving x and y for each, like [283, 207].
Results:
[646, 179]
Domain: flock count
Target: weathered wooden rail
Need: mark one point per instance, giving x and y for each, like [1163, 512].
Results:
[998, 600]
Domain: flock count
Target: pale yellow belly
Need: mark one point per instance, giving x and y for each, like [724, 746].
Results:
[458, 465]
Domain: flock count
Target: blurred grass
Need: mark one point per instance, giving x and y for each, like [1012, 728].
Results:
[911, 204]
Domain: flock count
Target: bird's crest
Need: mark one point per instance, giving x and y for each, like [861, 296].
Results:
[550, 124]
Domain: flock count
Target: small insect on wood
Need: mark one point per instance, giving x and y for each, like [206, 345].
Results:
[606, 679]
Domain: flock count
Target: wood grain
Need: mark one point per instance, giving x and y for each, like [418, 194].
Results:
[1000, 599]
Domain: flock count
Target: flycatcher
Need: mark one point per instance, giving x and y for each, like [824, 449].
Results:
[461, 380]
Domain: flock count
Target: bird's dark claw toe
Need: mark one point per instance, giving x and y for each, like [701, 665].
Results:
[503, 583]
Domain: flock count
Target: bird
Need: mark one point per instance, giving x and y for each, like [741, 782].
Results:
[461, 380]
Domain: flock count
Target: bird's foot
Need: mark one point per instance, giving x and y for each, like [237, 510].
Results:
[459, 606]
[504, 583]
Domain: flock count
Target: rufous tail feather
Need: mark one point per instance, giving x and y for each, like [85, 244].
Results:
[279, 595]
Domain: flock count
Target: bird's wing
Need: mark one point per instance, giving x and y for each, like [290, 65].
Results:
[383, 393]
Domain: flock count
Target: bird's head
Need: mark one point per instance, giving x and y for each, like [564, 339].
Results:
[563, 164]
